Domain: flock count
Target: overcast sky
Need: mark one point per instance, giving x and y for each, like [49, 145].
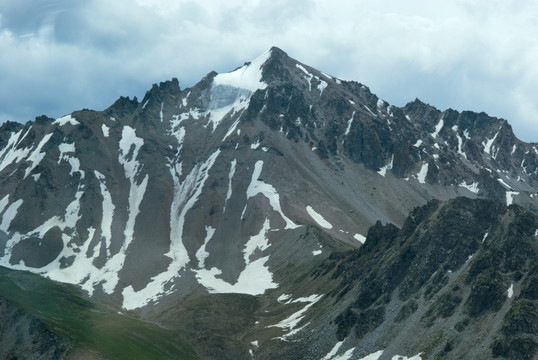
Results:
[482, 55]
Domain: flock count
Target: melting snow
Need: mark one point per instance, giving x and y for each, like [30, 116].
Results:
[106, 130]
[421, 176]
[510, 291]
[257, 186]
[9, 153]
[291, 322]
[255, 145]
[9, 214]
[232, 129]
[370, 111]
[308, 76]
[380, 103]
[255, 279]
[489, 143]
[65, 148]
[36, 156]
[503, 183]
[438, 127]
[348, 354]
[108, 212]
[186, 194]
[485, 236]
[510, 197]
[202, 253]
[360, 238]
[418, 143]
[321, 86]
[471, 187]
[66, 119]
[334, 350]
[318, 218]
[513, 149]
[383, 170]
[230, 176]
[317, 252]
[349, 122]
[4, 202]
[283, 298]
[258, 241]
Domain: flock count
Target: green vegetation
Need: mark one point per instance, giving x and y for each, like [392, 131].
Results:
[63, 309]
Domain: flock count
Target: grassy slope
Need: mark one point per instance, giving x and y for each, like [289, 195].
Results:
[89, 327]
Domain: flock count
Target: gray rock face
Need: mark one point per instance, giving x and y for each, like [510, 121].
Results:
[25, 337]
[210, 189]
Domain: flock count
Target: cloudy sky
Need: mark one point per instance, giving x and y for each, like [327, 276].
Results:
[64, 55]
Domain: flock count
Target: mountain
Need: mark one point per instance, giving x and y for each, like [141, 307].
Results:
[234, 214]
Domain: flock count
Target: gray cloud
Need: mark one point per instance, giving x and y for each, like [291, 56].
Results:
[59, 56]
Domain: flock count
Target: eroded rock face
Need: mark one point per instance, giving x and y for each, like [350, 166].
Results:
[25, 337]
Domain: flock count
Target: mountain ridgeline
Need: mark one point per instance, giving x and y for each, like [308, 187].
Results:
[271, 212]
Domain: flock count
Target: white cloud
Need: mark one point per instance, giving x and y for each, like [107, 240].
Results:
[478, 55]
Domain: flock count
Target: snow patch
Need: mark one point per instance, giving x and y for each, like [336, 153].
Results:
[504, 183]
[333, 351]
[370, 111]
[291, 322]
[255, 279]
[418, 143]
[383, 170]
[255, 145]
[231, 174]
[231, 92]
[349, 122]
[308, 76]
[36, 156]
[257, 186]
[360, 238]
[248, 77]
[318, 218]
[489, 143]
[421, 176]
[106, 130]
[232, 129]
[108, 212]
[380, 103]
[186, 194]
[485, 236]
[317, 252]
[321, 86]
[471, 187]
[68, 119]
[64, 149]
[438, 127]
[510, 291]
[510, 197]
[202, 253]
[9, 214]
